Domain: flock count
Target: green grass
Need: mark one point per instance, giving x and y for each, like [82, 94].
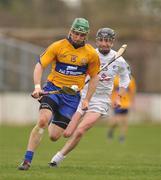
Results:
[94, 159]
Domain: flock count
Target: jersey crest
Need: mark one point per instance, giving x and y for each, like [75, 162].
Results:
[73, 58]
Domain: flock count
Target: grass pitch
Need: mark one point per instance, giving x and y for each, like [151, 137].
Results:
[95, 158]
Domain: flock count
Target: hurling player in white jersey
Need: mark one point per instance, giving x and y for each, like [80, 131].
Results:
[100, 102]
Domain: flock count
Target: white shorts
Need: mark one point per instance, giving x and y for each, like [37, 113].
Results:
[96, 105]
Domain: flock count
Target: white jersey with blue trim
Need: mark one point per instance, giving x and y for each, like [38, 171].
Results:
[107, 75]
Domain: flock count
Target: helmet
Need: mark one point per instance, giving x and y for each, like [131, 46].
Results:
[106, 33]
[80, 25]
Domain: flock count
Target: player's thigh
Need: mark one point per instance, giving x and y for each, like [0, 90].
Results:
[89, 119]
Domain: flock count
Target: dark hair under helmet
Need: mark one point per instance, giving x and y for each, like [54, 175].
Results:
[106, 33]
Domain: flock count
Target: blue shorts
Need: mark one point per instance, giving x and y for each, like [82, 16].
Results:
[120, 111]
[66, 104]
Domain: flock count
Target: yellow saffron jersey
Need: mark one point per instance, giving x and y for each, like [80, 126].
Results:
[69, 65]
[128, 97]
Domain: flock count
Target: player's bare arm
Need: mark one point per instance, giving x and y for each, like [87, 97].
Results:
[37, 80]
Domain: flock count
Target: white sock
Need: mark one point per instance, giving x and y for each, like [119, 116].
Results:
[58, 157]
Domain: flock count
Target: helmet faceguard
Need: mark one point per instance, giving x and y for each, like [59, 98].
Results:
[107, 35]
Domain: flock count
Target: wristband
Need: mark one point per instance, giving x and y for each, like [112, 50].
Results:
[37, 86]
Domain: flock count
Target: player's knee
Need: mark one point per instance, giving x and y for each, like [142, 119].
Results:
[43, 122]
[79, 132]
[67, 134]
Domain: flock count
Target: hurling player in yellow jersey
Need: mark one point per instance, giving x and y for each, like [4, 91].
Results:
[72, 59]
[120, 117]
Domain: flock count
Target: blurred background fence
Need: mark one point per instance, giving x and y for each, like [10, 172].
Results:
[28, 27]
[16, 64]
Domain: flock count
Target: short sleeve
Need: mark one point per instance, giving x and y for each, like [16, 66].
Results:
[48, 56]
[94, 65]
